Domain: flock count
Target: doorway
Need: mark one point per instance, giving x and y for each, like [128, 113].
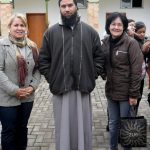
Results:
[36, 26]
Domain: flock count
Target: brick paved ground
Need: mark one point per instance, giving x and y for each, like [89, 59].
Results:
[41, 124]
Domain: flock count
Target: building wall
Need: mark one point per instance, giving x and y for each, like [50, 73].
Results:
[138, 14]
[93, 15]
[39, 7]
[5, 13]
[141, 14]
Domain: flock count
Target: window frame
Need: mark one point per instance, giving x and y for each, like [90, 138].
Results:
[82, 6]
[128, 5]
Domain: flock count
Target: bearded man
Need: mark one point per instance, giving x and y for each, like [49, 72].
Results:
[71, 59]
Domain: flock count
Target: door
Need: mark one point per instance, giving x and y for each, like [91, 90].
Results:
[37, 26]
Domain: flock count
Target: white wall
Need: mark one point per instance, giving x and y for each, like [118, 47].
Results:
[29, 6]
[140, 14]
[38, 6]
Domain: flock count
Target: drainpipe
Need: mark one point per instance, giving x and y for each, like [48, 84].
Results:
[46, 6]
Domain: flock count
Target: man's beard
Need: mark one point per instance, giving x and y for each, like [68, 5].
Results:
[69, 21]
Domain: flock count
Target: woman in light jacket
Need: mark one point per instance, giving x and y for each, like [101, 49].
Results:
[19, 78]
[123, 63]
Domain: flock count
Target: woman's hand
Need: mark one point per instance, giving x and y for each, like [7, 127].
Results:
[130, 32]
[29, 90]
[132, 101]
[23, 93]
[146, 47]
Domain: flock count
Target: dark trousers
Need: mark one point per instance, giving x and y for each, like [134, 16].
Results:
[141, 92]
[14, 122]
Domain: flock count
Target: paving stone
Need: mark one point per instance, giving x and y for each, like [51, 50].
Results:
[41, 129]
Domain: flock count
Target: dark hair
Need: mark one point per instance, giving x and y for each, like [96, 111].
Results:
[75, 2]
[112, 17]
[130, 20]
[139, 25]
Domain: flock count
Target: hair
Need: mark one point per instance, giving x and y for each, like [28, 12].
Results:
[24, 21]
[139, 25]
[130, 20]
[21, 17]
[75, 2]
[112, 17]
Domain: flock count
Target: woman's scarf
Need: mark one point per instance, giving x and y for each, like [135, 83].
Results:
[22, 68]
[21, 62]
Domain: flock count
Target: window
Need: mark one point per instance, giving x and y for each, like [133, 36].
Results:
[13, 3]
[136, 3]
[82, 3]
[131, 3]
[7, 2]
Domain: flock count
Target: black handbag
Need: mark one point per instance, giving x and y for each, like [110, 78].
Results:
[133, 131]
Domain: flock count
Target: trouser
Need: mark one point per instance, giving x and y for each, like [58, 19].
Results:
[116, 110]
[141, 92]
[107, 126]
[14, 122]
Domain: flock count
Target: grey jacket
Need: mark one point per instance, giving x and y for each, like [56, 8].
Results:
[8, 74]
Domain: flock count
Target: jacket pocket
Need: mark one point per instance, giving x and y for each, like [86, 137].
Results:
[121, 52]
[121, 57]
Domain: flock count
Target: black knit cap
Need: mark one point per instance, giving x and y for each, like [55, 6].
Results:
[139, 25]
[75, 2]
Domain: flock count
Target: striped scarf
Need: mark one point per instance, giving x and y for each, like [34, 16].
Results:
[21, 62]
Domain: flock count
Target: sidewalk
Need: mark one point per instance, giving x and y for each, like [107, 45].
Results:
[41, 123]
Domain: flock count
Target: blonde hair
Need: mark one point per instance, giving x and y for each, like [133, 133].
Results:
[21, 17]
[24, 21]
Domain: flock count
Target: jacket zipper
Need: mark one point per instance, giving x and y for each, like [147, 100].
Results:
[64, 58]
[80, 58]
[72, 51]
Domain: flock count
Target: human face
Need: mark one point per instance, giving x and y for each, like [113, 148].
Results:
[131, 26]
[67, 8]
[116, 28]
[141, 33]
[17, 29]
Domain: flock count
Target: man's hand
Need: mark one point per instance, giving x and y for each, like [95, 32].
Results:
[132, 101]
